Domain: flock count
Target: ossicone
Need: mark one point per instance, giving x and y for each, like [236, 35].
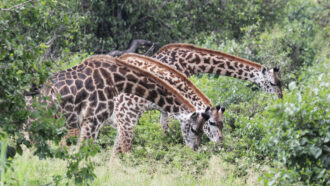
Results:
[194, 115]
[218, 107]
[276, 69]
[223, 109]
[206, 116]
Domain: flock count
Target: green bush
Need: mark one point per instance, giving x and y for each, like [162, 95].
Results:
[225, 90]
[112, 25]
[32, 35]
[295, 130]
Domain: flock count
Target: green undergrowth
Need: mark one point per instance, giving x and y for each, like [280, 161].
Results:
[113, 170]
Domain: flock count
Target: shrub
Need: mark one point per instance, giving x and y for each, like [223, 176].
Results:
[32, 35]
[295, 130]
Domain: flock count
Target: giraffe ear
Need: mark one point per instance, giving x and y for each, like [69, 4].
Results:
[194, 116]
[206, 116]
[223, 109]
[263, 70]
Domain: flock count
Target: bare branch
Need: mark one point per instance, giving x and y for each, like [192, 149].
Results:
[16, 6]
[50, 42]
[134, 45]
[152, 48]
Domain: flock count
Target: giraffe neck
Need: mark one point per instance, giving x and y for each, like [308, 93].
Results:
[191, 60]
[116, 76]
[172, 76]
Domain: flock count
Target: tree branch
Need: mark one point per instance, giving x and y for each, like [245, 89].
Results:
[134, 45]
[16, 6]
[50, 42]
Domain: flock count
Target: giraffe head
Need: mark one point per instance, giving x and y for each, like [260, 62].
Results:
[192, 127]
[213, 127]
[270, 81]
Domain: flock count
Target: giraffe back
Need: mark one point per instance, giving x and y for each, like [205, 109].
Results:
[174, 77]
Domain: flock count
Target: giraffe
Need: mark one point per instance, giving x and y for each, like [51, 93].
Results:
[87, 93]
[191, 60]
[124, 115]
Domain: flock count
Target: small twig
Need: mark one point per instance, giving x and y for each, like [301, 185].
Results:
[134, 45]
[50, 42]
[150, 49]
[16, 6]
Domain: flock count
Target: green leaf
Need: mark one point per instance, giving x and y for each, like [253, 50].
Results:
[19, 72]
[316, 151]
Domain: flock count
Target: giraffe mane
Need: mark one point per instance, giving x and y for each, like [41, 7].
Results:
[169, 87]
[100, 56]
[174, 71]
[158, 80]
[193, 47]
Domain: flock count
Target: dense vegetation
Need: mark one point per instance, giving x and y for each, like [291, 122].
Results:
[267, 140]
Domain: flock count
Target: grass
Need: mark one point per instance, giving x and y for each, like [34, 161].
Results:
[112, 170]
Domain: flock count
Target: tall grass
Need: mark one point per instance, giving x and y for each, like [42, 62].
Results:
[111, 170]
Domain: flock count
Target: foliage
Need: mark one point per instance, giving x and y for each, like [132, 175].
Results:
[107, 137]
[32, 34]
[44, 126]
[112, 25]
[290, 135]
[300, 139]
[82, 172]
[224, 90]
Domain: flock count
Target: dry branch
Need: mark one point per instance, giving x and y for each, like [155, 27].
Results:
[134, 46]
[16, 6]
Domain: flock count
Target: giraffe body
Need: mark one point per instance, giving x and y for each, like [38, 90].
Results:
[88, 91]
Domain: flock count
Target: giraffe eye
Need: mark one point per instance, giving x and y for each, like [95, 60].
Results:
[272, 84]
[193, 131]
[212, 123]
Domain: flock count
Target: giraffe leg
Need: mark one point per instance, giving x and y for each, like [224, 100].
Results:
[126, 115]
[117, 146]
[126, 138]
[124, 133]
[87, 130]
[164, 121]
